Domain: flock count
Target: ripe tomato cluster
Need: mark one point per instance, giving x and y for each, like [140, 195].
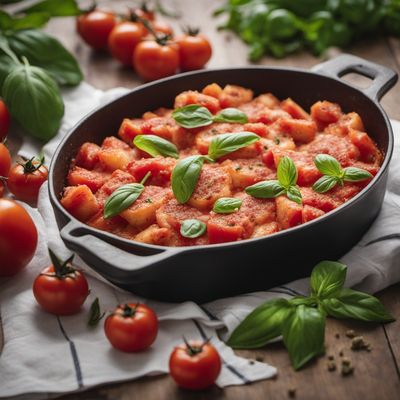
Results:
[144, 43]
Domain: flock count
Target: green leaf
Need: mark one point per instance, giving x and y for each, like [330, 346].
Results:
[34, 100]
[353, 174]
[303, 334]
[35, 20]
[232, 115]
[156, 146]
[328, 165]
[95, 314]
[185, 176]
[5, 20]
[192, 228]
[325, 183]
[356, 305]
[7, 64]
[122, 198]
[48, 53]
[228, 142]
[265, 189]
[54, 8]
[227, 205]
[192, 116]
[327, 278]
[293, 193]
[287, 172]
[262, 325]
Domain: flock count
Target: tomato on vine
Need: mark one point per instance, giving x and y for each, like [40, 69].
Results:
[95, 27]
[18, 237]
[60, 289]
[194, 49]
[144, 12]
[5, 160]
[195, 365]
[26, 178]
[4, 121]
[131, 327]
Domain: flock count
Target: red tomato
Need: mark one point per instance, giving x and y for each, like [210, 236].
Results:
[153, 60]
[162, 27]
[195, 365]
[131, 327]
[25, 180]
[18, 237]
[2, 188]
[5, 160]
[60, 289]
[4, 120]
[194, 50]
[144, 12]
[95, 27]
[123, 39]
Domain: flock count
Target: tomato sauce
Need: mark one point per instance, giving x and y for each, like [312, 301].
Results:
[284, 128]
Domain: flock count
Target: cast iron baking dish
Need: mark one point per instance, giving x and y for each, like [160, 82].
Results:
[203, 273]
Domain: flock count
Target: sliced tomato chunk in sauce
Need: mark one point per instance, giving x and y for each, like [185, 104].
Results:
[80, 202]
[91, 178]
[224, 228]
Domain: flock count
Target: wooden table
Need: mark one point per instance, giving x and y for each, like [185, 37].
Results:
[377, 373]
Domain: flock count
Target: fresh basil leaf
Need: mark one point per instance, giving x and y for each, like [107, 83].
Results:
[262, 325]
[48, 53]
[228, 142]
[293, 193]
[156, 146]
[185, 176]
[122, 198]
[325, 183]
[265, 189]
[303, 334]
[286, 172]
[95, 314]
[227, 205]
[232, 115]
[29, 21]
[353, 174]
[192, 228]
[5, 20]
[327, 278]
[328, 165]
[34, 100]
[192, 116]
[7, 64]
[307, 301]
[54, 8]
[356, 305]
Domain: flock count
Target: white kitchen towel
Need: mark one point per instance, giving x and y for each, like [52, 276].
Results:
[44, 355]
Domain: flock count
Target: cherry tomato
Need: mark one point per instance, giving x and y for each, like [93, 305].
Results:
[195, 365]
[2, 189]
[162, 27]
[25, 180]
[131, 327]
[18, 237]
[194, 50]
[123, 39]
[5, 160]
[61, 289]
[95, 27]
[154, 60]
[144, 12]
[4, 120]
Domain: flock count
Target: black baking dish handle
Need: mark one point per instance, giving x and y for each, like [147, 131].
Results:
[383, 78]
[98, 252]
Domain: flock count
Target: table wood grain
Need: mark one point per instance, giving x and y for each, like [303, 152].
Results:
[377, 373]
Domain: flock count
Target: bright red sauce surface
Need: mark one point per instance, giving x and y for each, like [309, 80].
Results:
[285, 130]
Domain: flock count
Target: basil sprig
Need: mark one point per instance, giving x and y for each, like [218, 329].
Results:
[229, 142]
[195, 116]
[301, 320]
[123, 197]
[227, 205]
[334, 173]
[156, 146]
[192, 228]
[286, 183]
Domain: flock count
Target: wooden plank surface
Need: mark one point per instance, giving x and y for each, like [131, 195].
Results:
[377, 372]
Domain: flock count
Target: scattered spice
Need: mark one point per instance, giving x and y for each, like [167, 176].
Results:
[331, 366]
[346, 361]
[347, 367]
[331, 357]
[358, 343]
[337, 336]
[260, 358]
[292, 393]
[277, 140]
[350, 333]
[341, 353]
